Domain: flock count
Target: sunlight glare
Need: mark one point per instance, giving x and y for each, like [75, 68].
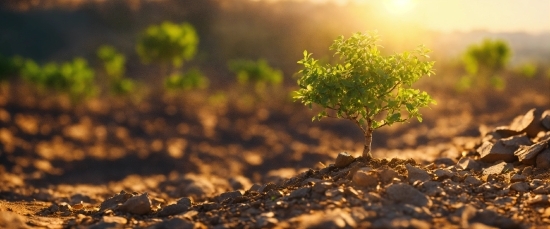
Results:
[398, 7]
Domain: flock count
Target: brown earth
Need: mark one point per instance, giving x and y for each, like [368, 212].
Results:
[191, 161]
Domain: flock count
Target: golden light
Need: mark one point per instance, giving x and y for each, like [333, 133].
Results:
[398, 7]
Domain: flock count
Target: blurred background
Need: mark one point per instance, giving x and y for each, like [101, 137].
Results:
[210, 82]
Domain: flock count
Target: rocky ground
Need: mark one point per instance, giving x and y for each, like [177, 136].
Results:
[159, 165]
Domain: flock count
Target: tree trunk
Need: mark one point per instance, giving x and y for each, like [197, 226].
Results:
[368, 140]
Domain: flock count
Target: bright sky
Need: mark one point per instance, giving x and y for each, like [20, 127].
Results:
[531, 16]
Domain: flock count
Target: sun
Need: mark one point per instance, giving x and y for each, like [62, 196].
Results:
[398, 7]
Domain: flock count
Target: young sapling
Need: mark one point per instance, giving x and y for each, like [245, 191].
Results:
[367, 88]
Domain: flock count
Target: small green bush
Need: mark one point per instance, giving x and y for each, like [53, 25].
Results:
[367, 88]
[113, 61]
[114, 64]
[75, 78]
[193, 79]
[528, 70]
[168, 43]
[258, 73]
[483, 62]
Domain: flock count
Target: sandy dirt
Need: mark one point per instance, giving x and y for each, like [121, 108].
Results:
[189, 162]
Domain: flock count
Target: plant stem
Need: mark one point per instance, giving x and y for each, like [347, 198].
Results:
[368, 140]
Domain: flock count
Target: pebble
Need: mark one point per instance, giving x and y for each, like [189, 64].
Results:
[497, 168]
[517, 177]
[365, 177]
[469, 164]
[432, 188]
[139, 205]
[528, 154]
[471, 180]
[491, 153]
[520, 187]
[113, 202]
[543, 159]
[229, 195]
[321, 187]
[175, 223]
[443, 174]
[299, 193]
[405, 193]
[387, 175]
[417, 174]
[343, 159]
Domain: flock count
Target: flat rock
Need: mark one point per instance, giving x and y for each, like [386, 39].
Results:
[443, 173]
[229, 195]
[186, 201]
[343, 159]
[517, 177]
[469, 164]
[299, 193]
[321, 187]
[417, 174]
[472, 180]
[365, 177]
[528, 123]
[172, 209]
[113, 202]
[495, 169]
[491, 153]
[543, 159]
[520, 187]
[174, 223]
[432, 188]
[387, 175]
[539, 199]
[139, 205]
[516, 141]
[405, 193]
[528, 154]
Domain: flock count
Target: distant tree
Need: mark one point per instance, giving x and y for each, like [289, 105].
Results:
[114, 66]
[192, 79]
[257, 72]
[168, 44]
[74, 78]
[483, 62]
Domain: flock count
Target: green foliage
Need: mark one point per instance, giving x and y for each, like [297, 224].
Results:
[113, 61]
[528, 70]
[483, 62]
[193, 79]
[370, 89]
[255, 71]
[168, 43]
[258, 73]
[75, 78]
[114, 64]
